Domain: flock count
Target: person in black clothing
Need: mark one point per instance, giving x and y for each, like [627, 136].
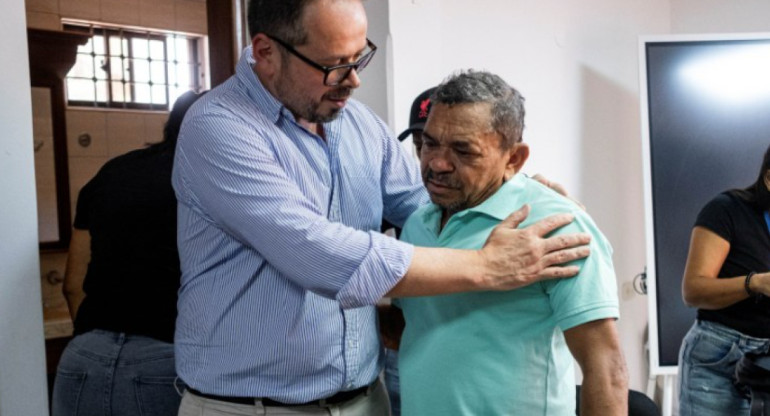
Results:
[727, 277]
[121, 287]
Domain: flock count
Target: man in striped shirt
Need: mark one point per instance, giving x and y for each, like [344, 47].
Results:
[282, 182]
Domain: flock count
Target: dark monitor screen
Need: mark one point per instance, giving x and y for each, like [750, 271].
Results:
[708, 126]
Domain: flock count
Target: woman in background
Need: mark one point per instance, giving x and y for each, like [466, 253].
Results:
[727, 279]
[121, 287]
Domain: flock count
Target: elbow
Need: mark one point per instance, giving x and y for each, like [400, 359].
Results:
[690, 294]
[694, 298]
[71, 291]
[68, 292]
[689, 298]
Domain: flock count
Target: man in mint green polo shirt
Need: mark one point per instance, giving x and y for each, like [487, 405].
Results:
[502, 353]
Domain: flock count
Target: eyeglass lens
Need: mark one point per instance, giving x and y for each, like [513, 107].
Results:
[337, 75]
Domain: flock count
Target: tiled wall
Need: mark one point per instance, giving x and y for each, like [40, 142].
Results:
[179, 15]
[112, 132]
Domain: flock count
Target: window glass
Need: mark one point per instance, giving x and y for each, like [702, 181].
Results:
[129, 68]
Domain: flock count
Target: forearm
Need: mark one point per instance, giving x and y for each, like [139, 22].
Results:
[702, 287]
[711, 293]
[436, 271]
[596, 348]
[78, 258]
[605, 392]
[511, 258]
[74, 299]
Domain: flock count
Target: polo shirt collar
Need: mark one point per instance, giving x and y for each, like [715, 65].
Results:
[504, 201]
[501, 204]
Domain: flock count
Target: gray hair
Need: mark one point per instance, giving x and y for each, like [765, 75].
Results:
[506, 104]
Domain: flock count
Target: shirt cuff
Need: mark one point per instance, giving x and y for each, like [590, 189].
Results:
[384, 265]
[591, 313]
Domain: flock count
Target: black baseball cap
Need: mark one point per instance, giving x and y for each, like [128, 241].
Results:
[419, 113]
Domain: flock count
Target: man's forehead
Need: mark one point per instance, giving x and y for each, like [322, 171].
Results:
[459, 121]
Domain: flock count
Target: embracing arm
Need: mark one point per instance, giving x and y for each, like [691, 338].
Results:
[701, 288]
[511, 258]
[596, 348]
[270, 212]
[77, 265]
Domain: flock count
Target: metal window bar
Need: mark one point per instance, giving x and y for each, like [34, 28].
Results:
[127, 57]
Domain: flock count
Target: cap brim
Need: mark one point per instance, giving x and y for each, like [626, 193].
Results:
[410, 130]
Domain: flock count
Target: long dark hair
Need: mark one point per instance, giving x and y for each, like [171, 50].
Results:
[757, 193]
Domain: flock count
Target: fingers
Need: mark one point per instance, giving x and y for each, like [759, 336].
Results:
[558, 257]
[564, 241]
[548, 224]
[516, 217]
[553, 185]
[540, 178]
[548, 273]
[558, 272]
[559, 189]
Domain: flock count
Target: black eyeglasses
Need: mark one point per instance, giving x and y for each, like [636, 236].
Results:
[333, 75]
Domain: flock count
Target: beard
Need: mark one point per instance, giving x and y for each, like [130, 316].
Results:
[303, 106]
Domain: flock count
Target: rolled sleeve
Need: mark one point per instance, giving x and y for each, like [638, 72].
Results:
[384, 265]
[595, 312]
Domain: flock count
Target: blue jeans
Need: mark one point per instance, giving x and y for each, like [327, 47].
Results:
[707, 359]
[108, 373]
[391, 381]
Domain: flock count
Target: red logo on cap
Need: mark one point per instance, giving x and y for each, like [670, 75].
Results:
[424, 107]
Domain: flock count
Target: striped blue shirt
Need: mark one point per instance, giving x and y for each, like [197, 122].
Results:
[280, 254]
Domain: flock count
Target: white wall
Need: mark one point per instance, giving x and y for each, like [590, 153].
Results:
[576, 64]
[415, 27]
[373, 90]
[719, 16]
[23, 390]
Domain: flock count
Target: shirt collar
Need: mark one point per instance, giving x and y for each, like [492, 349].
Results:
[244, 71]
[501, 204]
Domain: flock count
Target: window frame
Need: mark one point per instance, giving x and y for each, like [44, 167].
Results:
[125, 36]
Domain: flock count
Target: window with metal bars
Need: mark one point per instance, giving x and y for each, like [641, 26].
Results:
[129, 68]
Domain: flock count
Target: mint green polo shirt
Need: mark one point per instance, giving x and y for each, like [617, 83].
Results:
[500, 353]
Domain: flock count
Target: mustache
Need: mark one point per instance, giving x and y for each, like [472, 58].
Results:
[443, 179]
[341, 93]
